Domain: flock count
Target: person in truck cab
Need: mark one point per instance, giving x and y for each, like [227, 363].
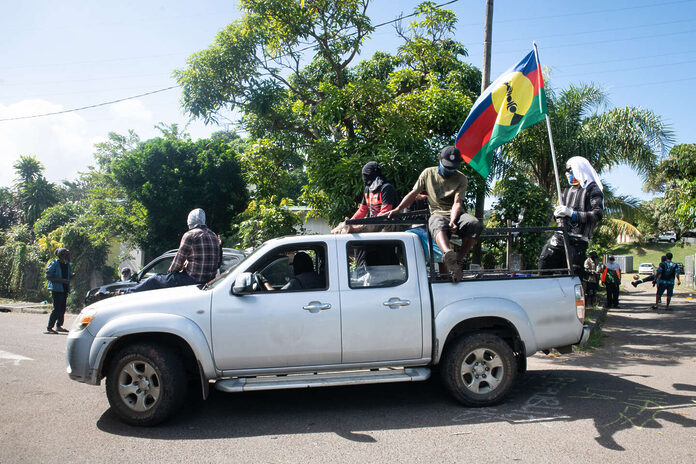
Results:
[445, 187]
[582, 207]
[196, 262]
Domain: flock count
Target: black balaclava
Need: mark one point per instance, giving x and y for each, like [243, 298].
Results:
[372, 175]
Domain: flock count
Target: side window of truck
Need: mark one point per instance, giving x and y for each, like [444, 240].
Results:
[376, 264]
[298, 268]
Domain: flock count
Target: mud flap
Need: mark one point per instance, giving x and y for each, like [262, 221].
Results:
[205, 385]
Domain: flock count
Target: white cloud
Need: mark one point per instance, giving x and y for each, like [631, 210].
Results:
[60, 142]
[131, 110]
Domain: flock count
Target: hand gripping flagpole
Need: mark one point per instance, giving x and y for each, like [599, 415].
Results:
[555, 165]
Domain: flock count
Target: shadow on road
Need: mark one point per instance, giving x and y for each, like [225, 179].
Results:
[614, 403]
[635, 334]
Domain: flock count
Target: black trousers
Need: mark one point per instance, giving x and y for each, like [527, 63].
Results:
[58, 314]
[612, 295]
[553, 255]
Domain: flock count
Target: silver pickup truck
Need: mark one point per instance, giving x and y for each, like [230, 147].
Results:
[368, 313]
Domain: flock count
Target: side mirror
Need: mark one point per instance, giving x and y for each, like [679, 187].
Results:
[243, 284]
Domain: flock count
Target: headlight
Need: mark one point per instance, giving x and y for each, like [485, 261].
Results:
[82, 321]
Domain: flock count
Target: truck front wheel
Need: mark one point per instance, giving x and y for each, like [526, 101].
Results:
[479, 369]
[146, 384]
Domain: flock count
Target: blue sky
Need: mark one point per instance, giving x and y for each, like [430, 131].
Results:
[59, 55]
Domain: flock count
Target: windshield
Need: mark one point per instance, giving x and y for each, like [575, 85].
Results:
[216, 281]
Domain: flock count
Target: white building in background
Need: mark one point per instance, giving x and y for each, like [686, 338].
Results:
[312, 226]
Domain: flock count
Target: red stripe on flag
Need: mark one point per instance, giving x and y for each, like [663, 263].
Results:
[537, 79]
[478, 134]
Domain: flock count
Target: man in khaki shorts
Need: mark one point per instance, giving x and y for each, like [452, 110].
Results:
[446, 188]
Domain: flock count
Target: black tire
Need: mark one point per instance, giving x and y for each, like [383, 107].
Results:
[671, 240]
[479, 369]
[146, 384]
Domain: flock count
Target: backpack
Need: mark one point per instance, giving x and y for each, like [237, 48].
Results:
[668, 270]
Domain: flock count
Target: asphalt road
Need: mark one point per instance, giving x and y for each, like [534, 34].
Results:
[634, 400]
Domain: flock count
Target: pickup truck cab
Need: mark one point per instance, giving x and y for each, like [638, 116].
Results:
[370, 313]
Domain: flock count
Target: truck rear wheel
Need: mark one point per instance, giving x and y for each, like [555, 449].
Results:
[146, 384]
[479, 369]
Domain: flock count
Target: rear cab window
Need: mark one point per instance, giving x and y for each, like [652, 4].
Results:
[376, 264]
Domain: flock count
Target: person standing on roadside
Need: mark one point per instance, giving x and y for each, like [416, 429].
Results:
[667, 271]
[591, 278]
[59, 274]
[611, 278]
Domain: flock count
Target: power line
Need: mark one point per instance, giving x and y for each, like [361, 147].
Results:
[90, 106]
[176, 86]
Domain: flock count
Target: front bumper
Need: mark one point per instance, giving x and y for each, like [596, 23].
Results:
[77, 357]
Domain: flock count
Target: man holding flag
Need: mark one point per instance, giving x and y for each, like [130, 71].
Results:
[513, 102]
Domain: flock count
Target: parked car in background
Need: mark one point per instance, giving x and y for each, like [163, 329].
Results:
[646, 268]
[160, 265]
[669, 236]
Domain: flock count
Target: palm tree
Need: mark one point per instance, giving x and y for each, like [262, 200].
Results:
[621, 212]
[35, 193]
[630, 135]
[28, 169]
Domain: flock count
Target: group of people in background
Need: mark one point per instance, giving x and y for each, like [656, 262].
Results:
[609, 275]
[663, 278]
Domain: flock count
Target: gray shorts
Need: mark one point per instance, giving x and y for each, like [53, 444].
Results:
[468, 226]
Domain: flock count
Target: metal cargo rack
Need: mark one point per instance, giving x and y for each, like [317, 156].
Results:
[420, 218]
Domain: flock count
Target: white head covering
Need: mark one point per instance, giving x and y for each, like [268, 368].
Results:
[584, 172]
[196, 218]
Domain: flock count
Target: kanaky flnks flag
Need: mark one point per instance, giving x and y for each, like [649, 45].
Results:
[515, 101]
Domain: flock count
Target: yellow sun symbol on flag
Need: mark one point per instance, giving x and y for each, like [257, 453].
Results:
[512, 98]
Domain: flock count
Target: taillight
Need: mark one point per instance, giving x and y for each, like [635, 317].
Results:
[580, 303]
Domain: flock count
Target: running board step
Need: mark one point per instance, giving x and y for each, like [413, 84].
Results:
[323, 379]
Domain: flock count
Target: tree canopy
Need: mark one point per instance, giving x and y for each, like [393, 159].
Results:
[289, 68]
[170, 177]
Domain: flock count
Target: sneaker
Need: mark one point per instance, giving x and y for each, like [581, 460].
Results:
[634, 283]
[50, 331]
[62, 330]
[450, 260]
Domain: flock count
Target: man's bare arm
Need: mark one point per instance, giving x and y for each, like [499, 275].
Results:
[405, 203]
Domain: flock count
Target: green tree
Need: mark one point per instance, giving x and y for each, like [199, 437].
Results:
[10, 210]
[35, 193]
[288, 67]
[518, 196]
[674, 178]
[170, 177]
[263, 220]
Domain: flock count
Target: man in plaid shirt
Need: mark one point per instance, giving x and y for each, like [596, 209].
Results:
[196, 262]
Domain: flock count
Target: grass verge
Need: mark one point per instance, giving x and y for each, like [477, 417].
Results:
[595, 317]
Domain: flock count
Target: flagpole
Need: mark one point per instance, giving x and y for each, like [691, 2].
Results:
[548, 126]
[555, 165]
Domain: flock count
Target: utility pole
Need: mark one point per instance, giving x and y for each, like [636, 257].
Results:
[485, 81]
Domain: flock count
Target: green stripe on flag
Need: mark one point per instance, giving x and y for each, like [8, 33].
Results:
[481, 162]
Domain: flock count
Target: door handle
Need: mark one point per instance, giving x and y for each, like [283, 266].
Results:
[316, 306]
[397, 302]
